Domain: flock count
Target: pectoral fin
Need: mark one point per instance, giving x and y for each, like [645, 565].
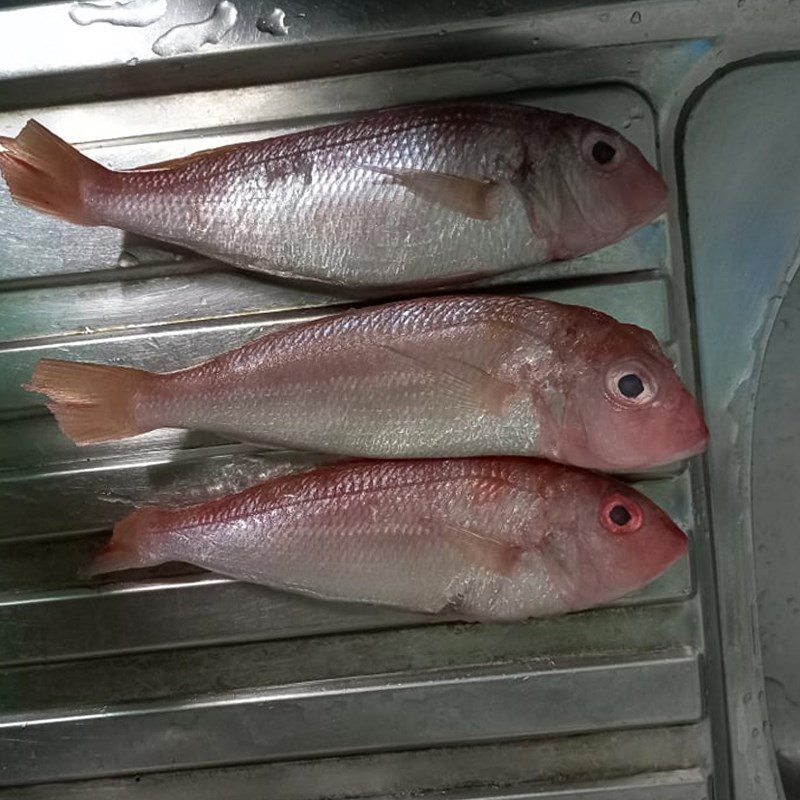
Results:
[467, 196]
[467, 384]
[492, 554]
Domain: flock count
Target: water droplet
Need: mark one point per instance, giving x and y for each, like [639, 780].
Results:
[755, 732]
[636, 18]
[132, 62]
[761, 695]
[133, 14]
[748, 697]
[273, 23]
[127, 259]
[605, 16]
[192, 36]
[535, 40]
[740, 3]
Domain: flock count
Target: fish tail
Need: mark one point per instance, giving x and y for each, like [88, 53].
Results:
[92, 402]
[134, 543]
[44, 172]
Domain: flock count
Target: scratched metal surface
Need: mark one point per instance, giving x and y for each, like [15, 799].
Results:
[181, 684]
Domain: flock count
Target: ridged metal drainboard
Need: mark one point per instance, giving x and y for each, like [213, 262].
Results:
[186, 685]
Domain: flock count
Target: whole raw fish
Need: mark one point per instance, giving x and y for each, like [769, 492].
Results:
[482, 538]
[447, 376]
[414, 195]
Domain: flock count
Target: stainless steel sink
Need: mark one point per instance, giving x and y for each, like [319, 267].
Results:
[185, 685]
[777, 552]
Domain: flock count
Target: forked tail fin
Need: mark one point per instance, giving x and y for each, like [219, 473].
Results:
[92, 402]
[44, 172]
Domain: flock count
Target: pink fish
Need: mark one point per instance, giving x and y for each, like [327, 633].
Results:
[406, 196]
[491, 539]
[446, 376]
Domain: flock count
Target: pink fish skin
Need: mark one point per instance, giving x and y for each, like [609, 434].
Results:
[490, 539]
[446, 376]
[410, 196]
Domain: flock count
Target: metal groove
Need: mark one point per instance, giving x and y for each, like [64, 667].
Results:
[627, 632]
[424, 710]
[548, 764]
[179, 684]
[198, 609]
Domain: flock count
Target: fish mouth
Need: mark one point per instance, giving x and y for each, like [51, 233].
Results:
[694, 447]
[675, 457]
[650, 213]
[657, 209]
[679, 544]
[675, 547]
[696, 450]
[652, 200]
[686, 433]
[671, 545]
[694, 440]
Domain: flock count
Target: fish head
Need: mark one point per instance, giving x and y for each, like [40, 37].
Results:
[591, 188]
[626, 408]
[614, 541]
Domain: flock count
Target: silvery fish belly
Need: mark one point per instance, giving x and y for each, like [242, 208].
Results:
[480, 538]
[410, 196]
[445, 376]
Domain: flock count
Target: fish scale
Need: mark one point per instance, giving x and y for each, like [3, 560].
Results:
[479, 538]
[422, 195]
[445, 376]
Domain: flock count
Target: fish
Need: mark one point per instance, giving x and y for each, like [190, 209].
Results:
[461, 375]
[485, 539]
[405, 197]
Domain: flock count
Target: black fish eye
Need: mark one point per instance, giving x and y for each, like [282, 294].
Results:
[630, 385]
[619, 515]
[603, 152]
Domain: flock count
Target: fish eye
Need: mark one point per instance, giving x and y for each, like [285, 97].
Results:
[602, 152]
[630, 385]
[620, 514]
